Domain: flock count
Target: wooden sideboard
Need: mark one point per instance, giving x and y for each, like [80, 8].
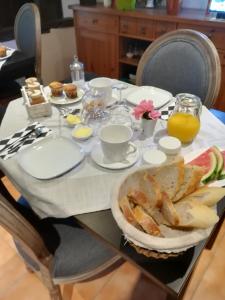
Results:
[105, 35]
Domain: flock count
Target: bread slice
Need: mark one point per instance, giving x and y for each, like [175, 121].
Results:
[168, 210]
[146, 221]
[127, 211]
[169, 176]
[194, 214]
[192, 178]
[148, 194]
[206, 195]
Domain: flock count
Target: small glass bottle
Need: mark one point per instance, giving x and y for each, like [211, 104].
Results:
[77, 72]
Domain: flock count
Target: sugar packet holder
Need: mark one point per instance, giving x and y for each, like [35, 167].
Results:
[43, 109]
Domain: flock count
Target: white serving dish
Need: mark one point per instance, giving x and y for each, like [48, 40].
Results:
[50, 158]
[175, 241]
[37, 110]
[159, 97]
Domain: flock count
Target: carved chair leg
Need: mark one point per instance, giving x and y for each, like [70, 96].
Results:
[55, 293]
[29, 269]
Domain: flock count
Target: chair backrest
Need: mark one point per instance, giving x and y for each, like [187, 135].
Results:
[182, 61]
[23, 232]
[27, 30]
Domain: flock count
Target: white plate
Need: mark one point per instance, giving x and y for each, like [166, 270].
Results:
[50, 157]
[99, 159]
[63, 100]
[158, 96]
[9, 52]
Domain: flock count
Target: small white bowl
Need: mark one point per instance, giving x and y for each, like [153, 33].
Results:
[170, 145]
[82, 132]
[154, 157]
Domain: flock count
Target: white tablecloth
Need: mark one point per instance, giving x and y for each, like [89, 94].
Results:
[87, 187]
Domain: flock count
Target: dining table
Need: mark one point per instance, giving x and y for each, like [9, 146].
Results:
[84, 191]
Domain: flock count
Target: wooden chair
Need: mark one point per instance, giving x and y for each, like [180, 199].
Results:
[59, 250]
[27, 31]
[182, 61]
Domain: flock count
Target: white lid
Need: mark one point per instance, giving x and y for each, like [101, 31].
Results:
[169, 145]
[154, 157]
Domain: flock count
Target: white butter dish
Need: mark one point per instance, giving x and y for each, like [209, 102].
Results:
[169, 145]
[154, 157]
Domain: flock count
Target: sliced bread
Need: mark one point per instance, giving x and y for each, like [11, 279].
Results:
[147, 194]
[192, 178]
[206, 195]
[146, 221]
[168, 210]
[194, 214]
[127, 211]
[169, 176]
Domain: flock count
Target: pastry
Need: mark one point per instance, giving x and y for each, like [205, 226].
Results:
[33, 86]
[3, 51]
[56, 88]
[70, 90]
[36, 97]
[31, 80]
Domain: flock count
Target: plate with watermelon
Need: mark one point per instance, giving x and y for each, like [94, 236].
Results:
[212, 159]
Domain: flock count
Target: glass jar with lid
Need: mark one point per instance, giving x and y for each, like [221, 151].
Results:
[184, 122]
[77, 72]
[94, 105]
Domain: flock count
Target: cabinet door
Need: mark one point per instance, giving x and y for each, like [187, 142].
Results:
[99, 52]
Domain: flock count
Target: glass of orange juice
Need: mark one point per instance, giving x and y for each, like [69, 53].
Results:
[184, 122]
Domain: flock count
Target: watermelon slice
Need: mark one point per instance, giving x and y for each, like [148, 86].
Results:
[203, 160]
[213, 170]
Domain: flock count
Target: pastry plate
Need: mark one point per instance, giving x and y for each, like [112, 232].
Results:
[63, 100]
[9, 52]
[159, 97]
[99, 159]
[50, 157]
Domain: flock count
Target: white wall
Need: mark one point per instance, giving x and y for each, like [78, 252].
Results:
[58, 49]
[66, 11]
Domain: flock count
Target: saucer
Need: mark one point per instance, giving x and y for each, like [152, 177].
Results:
[99, 159]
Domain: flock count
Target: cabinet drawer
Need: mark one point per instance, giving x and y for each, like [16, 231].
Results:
[97, 22]
[128, 26]
[216, 35]
[145, 28]
[164, 27]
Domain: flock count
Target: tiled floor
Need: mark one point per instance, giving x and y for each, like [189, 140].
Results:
[124, 283]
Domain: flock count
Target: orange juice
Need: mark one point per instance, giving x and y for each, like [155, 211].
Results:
[183, 126]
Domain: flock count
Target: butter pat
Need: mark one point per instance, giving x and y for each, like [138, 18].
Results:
[73, 119]
[154, 157]
[170, 145]
[82, 132]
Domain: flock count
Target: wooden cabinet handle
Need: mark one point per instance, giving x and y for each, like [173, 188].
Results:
[143, 30]
[94, 21]
[125, 28]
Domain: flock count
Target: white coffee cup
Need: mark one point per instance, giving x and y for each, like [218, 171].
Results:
[102, 85]
[115, 142]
